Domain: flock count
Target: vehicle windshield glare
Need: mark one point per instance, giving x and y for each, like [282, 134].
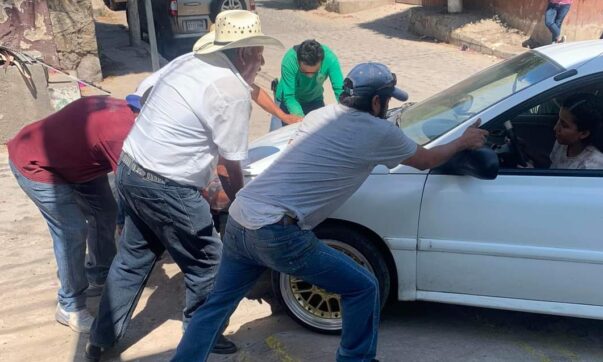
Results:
[437, 115]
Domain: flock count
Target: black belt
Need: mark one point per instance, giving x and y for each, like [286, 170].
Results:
[287, 220]
[141, 171]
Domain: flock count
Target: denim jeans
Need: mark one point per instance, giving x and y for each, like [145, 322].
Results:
[290, 250]
[76, 214]
[158, 217]
[553, 18]
[276, 123]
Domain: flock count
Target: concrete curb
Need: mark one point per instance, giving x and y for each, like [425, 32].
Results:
[352, 6]
[465, 30]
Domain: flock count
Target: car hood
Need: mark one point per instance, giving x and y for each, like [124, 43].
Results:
[263, 151]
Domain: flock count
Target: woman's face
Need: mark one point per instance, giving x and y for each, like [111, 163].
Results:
[566, 131]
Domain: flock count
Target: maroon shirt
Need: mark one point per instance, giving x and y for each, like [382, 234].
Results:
[76, 144]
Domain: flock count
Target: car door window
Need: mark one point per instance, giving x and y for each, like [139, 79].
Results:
[534, 127]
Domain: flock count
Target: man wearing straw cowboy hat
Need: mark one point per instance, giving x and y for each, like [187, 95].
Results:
[196, 114]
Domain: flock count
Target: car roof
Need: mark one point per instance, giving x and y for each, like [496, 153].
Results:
[573, 54]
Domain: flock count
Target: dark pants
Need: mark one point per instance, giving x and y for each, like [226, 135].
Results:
[276, 123]
[306, 107]
[553, 18]
[287, 249]
[159, 217]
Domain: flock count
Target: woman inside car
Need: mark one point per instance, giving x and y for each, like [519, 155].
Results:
[578, 127]
[576, 131]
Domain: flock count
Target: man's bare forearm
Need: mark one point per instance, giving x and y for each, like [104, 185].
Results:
[426, 159]
[262, 98]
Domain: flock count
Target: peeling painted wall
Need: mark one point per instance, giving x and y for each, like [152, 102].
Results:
[25, 25]
[62, 30]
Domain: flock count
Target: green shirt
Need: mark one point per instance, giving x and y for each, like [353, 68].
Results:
[295, 87]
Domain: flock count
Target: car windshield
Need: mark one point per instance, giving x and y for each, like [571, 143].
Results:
[437, 115]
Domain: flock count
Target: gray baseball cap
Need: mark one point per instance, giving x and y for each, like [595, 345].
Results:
[368, 79]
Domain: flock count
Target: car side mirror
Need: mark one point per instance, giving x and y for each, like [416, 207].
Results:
[481, 163]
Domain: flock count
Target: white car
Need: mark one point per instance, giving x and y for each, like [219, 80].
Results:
[478, 231]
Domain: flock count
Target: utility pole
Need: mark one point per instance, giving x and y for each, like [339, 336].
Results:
[152, 38]
[134, 23]
[455, 6]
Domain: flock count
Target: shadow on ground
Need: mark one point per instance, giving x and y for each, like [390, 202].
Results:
[117, 56]
[472, 27]
[393, 26]
[165, 303]
[414, 329]
[276, 4]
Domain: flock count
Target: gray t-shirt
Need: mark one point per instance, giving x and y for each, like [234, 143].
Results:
[333, 152]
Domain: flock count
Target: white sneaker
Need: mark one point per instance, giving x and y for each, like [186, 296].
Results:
[80, 321]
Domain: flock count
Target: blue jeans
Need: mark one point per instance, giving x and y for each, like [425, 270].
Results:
[276, 123]
[76, 214]
[290, 250]
[158, 217]
[553, 18]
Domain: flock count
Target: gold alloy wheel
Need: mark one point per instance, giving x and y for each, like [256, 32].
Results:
[316, 306]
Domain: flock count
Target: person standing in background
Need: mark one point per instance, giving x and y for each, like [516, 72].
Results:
[555, 13]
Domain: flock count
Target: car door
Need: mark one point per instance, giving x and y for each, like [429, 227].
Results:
[524, 235]
[528, 235]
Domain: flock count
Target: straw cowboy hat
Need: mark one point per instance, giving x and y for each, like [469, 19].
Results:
[234, 29]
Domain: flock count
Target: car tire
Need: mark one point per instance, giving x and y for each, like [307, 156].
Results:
[303, 308]
[231, 5]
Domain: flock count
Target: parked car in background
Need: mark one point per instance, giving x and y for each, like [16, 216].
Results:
[179, 23]
[479, 230]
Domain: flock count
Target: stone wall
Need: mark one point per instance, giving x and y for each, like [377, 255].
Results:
[75, 37]
[584, 21]
[62, 30]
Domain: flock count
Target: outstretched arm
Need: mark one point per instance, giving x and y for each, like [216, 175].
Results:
[263, 100]
[424, 159]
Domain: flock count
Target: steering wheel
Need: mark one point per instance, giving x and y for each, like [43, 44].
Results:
[514, 145]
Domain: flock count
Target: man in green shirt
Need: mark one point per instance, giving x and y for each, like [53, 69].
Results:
[304, 69]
